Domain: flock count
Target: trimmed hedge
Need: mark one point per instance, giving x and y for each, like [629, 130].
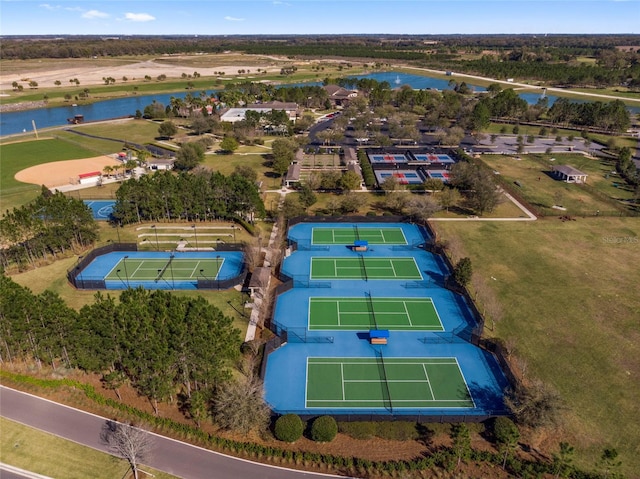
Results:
[324, 429]
[288, 428]
[444, 458]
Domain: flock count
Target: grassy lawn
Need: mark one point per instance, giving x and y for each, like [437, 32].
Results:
[53, 277]
[18, 156]
[533, 172]
[46, 454]
[570, 301]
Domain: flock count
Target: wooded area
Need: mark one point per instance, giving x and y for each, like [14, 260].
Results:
[158, 342]
[49, 226]
[198, 195]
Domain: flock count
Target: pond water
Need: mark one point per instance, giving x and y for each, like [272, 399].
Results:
[20, 121]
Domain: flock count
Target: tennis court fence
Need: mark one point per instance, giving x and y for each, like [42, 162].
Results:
[307, 246]
[297, 335]
[410, 246]
[84, 261]
[418, 284]
[347, 219]
[224, 283]
[299, 281]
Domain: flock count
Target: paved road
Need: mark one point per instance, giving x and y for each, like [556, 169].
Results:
[168, 455]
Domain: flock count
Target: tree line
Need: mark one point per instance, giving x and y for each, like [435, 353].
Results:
[558, 73]
[157, 342]
[612, 116]
[49, 226]
[199, 195]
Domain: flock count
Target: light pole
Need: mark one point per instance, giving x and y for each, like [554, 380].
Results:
[233, 227]
[173, 283]
[195, 233]
[120, 277]
[218, 271]
[126, 273]
[156, 231]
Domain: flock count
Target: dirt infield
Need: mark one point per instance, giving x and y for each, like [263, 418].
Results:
[60, 173]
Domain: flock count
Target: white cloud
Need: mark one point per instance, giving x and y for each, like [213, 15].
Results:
[233, 19]
[278, 2]
[91, 14]
[46, 6]
[139, 17]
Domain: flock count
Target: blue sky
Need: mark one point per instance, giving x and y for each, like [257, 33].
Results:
[232, 17]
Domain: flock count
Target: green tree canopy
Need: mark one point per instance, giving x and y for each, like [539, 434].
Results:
[229, 144]
[189, 156]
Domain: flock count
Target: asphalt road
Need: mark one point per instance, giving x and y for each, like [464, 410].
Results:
[168, 455]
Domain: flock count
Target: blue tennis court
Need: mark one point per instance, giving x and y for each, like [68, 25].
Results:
[387, 158]
[434, 158]
[101, 209]
[439, 175]
[404, 177]
[329, 361]
[159, 269]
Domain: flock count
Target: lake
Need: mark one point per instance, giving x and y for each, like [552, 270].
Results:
[20, 121]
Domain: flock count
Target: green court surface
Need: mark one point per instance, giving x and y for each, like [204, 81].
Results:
[358, 313]
[137, 269]
[389, 383]
[364, 268]
[349, 235]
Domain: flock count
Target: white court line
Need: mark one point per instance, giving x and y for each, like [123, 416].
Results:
[136, 270]
[195, 268]
[342, 380]
[407, 311]
[393, 268]
[424, 368]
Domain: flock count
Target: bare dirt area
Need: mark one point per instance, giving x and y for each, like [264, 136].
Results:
[59, 173]
[93, 73]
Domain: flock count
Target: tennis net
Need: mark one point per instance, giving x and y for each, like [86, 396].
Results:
[357, 231]
[385, 380]
[164, 268]
[373, 313]
[364, 268]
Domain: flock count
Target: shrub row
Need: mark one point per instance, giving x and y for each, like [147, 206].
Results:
[443, 458]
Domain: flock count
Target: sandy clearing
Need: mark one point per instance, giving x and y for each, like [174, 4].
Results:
[134, 72]
[59, 173]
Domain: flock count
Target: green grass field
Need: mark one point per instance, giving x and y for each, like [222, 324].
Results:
[349, 235]
[544, 191]
[46, 454]
[399, 314]
[385, 382]
[18, 156]
[364, 268]
[570, 313]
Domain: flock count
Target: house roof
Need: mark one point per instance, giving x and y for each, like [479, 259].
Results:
[568, 170]
[350, 154]
[355, 167]
[338, 92]
[293, 173]
[274, 105]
